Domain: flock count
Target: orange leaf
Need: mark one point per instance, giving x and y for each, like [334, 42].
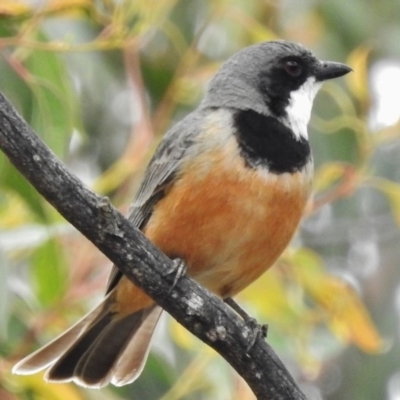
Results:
[13, 8]
[358, 82]
[347, 316]
[328, 174]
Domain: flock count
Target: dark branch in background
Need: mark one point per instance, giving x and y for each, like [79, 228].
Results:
[198, 310]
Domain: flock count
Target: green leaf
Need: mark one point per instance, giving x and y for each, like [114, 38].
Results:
[38, 84]
[49, 272]
[54, 105]
[392, 192]
[13, 181]
[4, 293]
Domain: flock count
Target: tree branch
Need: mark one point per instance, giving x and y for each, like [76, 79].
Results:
[197, 309]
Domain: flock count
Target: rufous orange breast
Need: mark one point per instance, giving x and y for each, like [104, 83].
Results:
[229, 222]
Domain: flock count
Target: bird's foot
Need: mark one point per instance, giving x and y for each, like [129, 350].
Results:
[252, 329]
[178, 269]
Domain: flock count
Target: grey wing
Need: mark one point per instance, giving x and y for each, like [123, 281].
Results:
[159, 175]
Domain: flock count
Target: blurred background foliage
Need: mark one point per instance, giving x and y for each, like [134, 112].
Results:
[101, 81]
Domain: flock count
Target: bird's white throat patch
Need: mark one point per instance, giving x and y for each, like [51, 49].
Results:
[298, 111]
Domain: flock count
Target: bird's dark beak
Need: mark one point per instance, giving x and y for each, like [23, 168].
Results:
[331, 70]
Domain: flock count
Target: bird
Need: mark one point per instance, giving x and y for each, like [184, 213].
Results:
[224, 192]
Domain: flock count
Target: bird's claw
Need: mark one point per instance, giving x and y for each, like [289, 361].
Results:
[254, 331]
[179, 269]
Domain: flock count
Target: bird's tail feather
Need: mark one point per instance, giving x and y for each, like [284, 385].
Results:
[48, 354]
[102, 347]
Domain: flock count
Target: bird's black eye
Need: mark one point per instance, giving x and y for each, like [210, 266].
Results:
[293, 68]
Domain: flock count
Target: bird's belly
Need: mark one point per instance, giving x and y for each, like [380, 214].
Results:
[229, 225]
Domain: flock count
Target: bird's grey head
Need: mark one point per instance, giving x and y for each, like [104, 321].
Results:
[276, 78]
